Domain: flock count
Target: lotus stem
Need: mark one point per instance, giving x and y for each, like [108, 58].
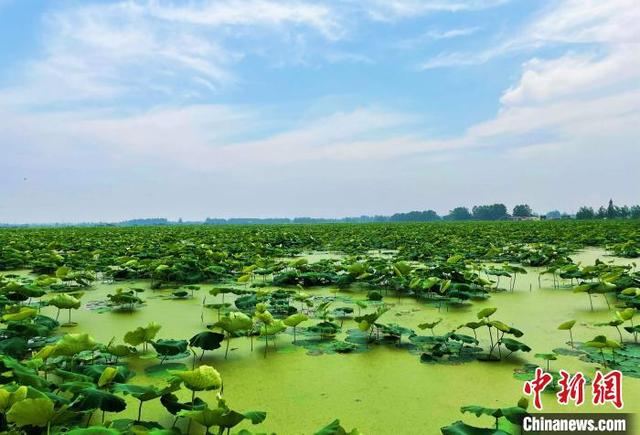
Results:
[226, 352]
[140, 411]
[571, 337]
[619, 333]
[193, 398]
[490, 338]
[266, 344]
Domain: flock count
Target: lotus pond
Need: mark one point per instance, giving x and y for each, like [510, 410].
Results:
[388, 328]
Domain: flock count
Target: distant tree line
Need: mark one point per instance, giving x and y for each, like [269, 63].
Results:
[490, 212]
[487, 212]
[612, 211]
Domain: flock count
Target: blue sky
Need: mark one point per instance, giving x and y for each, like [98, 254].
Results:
[121, 109]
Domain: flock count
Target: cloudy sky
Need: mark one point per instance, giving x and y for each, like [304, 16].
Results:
[141, 108]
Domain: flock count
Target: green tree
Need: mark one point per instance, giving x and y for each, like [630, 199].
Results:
[490, 212]
[522, 210]
[459, 214]
[612, 211]
[585, 213]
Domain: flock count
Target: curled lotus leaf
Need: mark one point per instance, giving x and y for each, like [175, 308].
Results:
[233, 322]
[295, 319]
[108, 374]
[565, 326]
[203, 378]
[72, 344]
[65, 301]
[142, 334]
[206, 340]
[486, 312]
[31, 412]
[21, 313]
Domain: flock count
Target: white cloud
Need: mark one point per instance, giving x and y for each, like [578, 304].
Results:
[612, 22]
[263, 13]
[587, 21]
[133, 49]
[385, 10]
[451, 33]
[575, 75]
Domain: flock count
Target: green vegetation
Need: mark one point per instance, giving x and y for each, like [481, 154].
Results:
[427, 292]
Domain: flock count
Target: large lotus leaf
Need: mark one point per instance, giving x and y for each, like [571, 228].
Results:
[31, 412]
[72, 344]
[108, 374]
[500, 326]
[334, 428]
[514, 414]
[295, 319]
[614, 322]
[5, 396]
[145, 392]
[478, 410]
[8, 398]
[401, 268]
[273, 328]
[234, 321]
[170, 347]
[73, 376]
[222, 417]
[604, 287]
[202, 378]
[395, 330]
[20, 314]
[584, 288]
[463, 338]
[38, 326]
[632, 329]
[173, 405]
[626, 314]
[547, 356]
[96, 371]
[92, 398]
[120, 350]
[142, 334]
[163, 370]
[429, 325]
[475, 325]
[564, 326]
[486, 312]
[211, 417]
[461, 428]
[256, 417]
[206, 340]
[514, 345]
[76, 386]
[324, 328]
[14, 346]
[64, 301]
[601, 342]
